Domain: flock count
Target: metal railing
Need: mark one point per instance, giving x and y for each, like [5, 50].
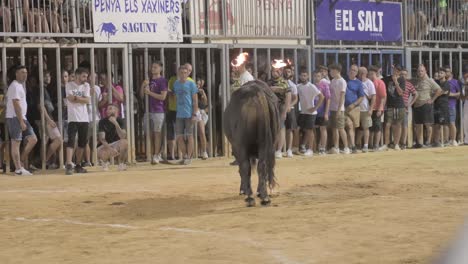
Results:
[436, 21]
[42, 20]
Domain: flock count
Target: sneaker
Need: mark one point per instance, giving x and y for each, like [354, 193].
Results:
[403, 147]
[155, 160]
[346, 151]
[79, 169]
[52, 166]
[437, 145]
[32, 168]
[105, 166]
[302, 149]
[278, 154]
[376, 149]
[63, 41]
[24, 40]
[454, 143]
[289, 154]
[309, 153]
[417, 146]
[322, 152]
[122, 167]
[354, 150]
[69, 169]
[365, 149]
[204, 156]
[397, 147]
[23, 172]
[86, 164]
[72, 42]
[334, 151]
[383, 148]
[187, 161]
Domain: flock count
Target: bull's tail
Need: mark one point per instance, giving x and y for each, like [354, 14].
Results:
[268, 134]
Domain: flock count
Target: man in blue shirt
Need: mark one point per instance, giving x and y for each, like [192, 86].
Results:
[353, 98]
[187, 107]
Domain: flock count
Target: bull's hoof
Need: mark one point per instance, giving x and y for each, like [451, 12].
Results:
[265, 203]
[250, 202]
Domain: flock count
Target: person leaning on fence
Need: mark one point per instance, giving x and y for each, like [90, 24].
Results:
[454, 96]
[409, 90]
[19, 128]
[78, 96]
[112, 139]
[156, 89]
[187, 107]
[353, 98]
[202, 116]
[337, 118]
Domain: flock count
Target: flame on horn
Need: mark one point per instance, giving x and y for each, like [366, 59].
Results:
[241, 58]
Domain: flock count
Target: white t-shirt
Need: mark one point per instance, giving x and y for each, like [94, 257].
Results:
[307, 93]
[369, 90]
[77, 112]
[337, 86]
[245, 77]
[16, 91]
[293, 88]
[97, 89]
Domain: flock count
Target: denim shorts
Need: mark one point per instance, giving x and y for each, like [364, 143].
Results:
[184, 126]
[453, 114]
[14, 129]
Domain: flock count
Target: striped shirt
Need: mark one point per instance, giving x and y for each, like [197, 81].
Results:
[409, 90]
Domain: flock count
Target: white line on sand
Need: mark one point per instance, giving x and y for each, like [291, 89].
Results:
[73, 222]
[76, 191]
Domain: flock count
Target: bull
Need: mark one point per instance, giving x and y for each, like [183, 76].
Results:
[251, 123]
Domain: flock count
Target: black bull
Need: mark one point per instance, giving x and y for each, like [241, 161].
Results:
[251, 123]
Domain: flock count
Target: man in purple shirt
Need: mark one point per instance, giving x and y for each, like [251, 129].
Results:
[156, 89]
[453, 98]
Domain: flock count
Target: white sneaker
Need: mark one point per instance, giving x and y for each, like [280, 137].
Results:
[334, 151]
[397, 147]
[455, 143]
[9, 40]
[122, 167]
[23, 172]
[278, 154]
[105, 166]
[155, 159]
[289, 154]
[383, 148]
[346, 151]
[309, 153]
[204, 156]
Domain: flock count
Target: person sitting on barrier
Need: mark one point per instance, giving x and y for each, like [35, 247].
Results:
[156, 89]
[18, 126]
[202, 116]
[117, 94]
[36, 22]
[113, 139]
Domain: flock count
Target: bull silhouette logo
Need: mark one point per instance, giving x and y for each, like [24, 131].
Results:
[108, 29]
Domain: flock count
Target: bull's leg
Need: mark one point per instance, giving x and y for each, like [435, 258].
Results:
[245, 171]
[262, 172]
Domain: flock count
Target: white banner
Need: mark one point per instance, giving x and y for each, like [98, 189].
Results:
[137, 20]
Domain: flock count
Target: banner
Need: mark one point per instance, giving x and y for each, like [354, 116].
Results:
[137, 20]
[358, 20]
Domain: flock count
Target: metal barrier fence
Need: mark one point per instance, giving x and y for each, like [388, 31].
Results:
[111, 59]
[436, 21]
[46, 19]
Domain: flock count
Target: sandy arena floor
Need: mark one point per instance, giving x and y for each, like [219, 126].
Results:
[393, 207]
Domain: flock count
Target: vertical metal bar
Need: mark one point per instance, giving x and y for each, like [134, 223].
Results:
[210, 102]
[325, 58]
[75, 58]
[41, 105]
[269, 62]
[93, 107]
[282, 53]
[147, 114]
[255, 64]
[132, 159]
[419, 57]
[22, 56]
[59, 101]
[163, 60]
[460, 74]
[296, 68]
[348, 60]
[370, 59]
[336, 57]
[430, 64]
[391, 60]
[441, 59]
[450, 60]
[194, 75]
[73, 14]
[109, 76]
[5, 88]
[128, 97]
[359, 59]
[309, 65]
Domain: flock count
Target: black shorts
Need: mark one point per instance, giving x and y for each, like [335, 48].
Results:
[171, 117]
[423, 114]
[80, 128]
[441, 116]
[2, 132]
[307, 121]
[376, 122]
[320, 121]
[291, 122]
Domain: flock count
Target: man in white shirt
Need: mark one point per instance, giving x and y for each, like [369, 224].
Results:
[78, 97]
[307, 93]
[291, 122]
[244, 75]
[18, 126]
[337, 119]
[366, 107]
[97, 98]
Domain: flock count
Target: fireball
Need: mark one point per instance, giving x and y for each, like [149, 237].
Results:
[278, 64]
[240, 59]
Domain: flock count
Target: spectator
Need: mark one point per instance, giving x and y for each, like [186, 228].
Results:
[378, 110]
[187, 107]
[465, 106]
[281, 88]
[409, 90]
[202, 116]
[395, 114]
[307, 93]
[244, 75]
[324, 70]
[117, 95]
[291, 122]
[156, 89]
[96, 93]
[423, 110]
[3, 140]
[337, 118]
[441, 109]
[455, 89]
[366, 107]
[112, 139]
[78, 96]
[18, 126]
[322, 82]
[353, 98]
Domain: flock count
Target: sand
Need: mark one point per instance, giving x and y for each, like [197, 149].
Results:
[392, 207]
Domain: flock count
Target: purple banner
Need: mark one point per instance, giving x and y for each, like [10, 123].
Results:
[358, 20]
